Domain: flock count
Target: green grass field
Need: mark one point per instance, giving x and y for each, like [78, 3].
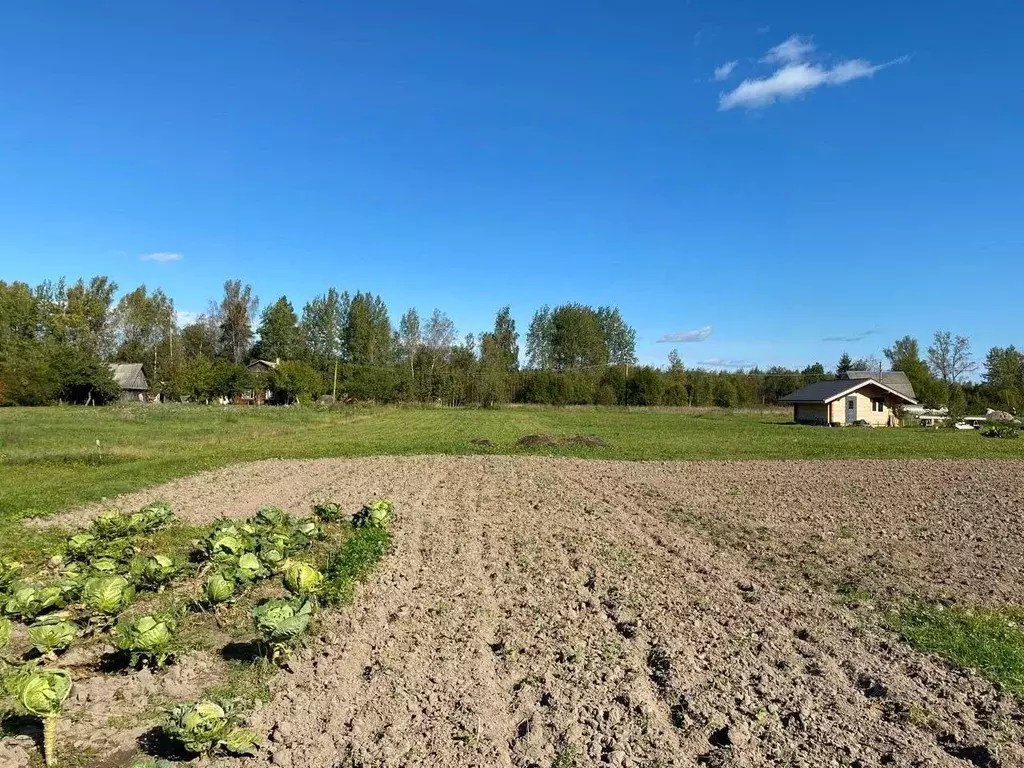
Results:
[50, 460]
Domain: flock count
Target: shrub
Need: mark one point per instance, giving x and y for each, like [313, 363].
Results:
[1007, 430]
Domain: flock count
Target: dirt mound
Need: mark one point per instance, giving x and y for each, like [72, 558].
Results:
[482, 442]
[638, 614]
[535, 440]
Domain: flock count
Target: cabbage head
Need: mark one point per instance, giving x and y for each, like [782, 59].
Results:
[218, 589]
[27, 601]
[41, 692]
[210, 727]
[272, 518]
[107, 595]
[154, 572]
[378, 514]
[249, 568]
[81, 546]
[148, 639]
[51, 635]
[155, 516]
[281, 622]
[303, 580]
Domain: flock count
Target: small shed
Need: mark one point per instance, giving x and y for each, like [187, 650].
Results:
[132, 380]
[846, 402]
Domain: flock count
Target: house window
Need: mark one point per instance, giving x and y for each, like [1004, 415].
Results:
[878, 404]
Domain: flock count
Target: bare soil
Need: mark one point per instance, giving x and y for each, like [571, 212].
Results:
[636, 614]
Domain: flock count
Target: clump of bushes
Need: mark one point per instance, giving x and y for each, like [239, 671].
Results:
[1008, 430]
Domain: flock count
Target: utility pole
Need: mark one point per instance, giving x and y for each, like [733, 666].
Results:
[334, 391]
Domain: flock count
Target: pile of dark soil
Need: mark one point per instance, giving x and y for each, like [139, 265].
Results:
[589, 440]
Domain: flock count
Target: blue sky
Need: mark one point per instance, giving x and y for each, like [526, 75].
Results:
[847, 169]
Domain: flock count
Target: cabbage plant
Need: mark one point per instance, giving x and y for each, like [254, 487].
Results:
[218, 589]
[272, 558]
[42, 692]
[81, 546]
[378, 514]
[272, 518]
[114, 524]
[52, 634]
[227, 543]
[328, 512]
[149, 639]
[154, 572]
[303, 580]
[8, 571]
[105, 565]
[250, 569]
[27, 601]
[5, 631]
[210, 727]
[282, 622]
[154, 516]
[107, 595]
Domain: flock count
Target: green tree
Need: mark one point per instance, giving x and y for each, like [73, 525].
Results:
[644, 387]
[950, 357]
[200, 338]
[577, 338]
[845, 365]
[145, 332]
[540, 340]
[813, 373]
[235, 315]
[295, 381]
[193, 379]
[726, 395]
[78, 315]
[82, 377]
[321, 323]
[500, 348]
[1004, 376]
[409, 335]
[366, 330]
[280, 337]
[957, 404]
[619, 338]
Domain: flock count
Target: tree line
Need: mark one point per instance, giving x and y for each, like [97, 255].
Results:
[57, 338]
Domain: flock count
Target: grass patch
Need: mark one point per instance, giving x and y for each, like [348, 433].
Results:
[49, 460]
[352, 563]
[991, 642]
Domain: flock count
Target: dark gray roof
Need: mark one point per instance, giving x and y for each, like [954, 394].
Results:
[827, 391]
[129, 376]
[892, 379]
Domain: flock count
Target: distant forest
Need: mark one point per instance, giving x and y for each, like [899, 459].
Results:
[57, 338]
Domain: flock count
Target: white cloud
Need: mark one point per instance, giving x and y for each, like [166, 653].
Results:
[723, 72]
[683, 337]
[719, 362]
[162, 257]
[792, 80]
[792, 49]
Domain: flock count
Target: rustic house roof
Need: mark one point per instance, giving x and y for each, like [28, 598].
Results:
[827, 391]
[267, 363]
[129, 376]
[893, 379]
